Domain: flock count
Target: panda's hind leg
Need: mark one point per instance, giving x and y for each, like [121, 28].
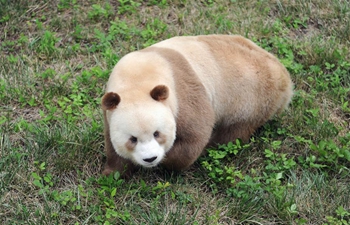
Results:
[224, 134]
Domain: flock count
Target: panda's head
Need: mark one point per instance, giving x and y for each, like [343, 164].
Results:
[141, 129]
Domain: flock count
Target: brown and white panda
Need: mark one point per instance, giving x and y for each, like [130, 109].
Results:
[166, 103]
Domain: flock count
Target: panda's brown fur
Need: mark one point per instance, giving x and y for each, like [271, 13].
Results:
[241, 87]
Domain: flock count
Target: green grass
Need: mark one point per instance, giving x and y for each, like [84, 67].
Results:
[55, 58]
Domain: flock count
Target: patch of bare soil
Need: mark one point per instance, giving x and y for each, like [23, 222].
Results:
[29, 114]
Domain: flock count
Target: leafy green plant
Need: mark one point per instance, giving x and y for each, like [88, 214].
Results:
[213, 163]
[120, 30]
[330, 154]
[4, 18]
[107, 193]
[46, 44]
[161, 3]
[278, 162]
[127, 6]
[42, 180]
[66, 4]
[343, 217]
[296, 23]
[77, 34]
[152, 31]
[99, 11]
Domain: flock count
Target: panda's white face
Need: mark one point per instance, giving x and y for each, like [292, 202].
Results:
[142, 132]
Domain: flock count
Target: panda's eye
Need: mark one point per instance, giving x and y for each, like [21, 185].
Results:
[133, 140]
[156, 134]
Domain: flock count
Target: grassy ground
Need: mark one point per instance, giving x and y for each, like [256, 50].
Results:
[55, 58]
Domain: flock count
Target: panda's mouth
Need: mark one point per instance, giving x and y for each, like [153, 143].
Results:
[150, 165]
[150, 162]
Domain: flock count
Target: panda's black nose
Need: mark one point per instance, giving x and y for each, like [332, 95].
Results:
[150, 159]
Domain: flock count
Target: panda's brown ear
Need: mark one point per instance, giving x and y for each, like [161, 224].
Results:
[160, 93]
[110, 101]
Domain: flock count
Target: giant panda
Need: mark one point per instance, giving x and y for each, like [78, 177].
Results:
[165, 104]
